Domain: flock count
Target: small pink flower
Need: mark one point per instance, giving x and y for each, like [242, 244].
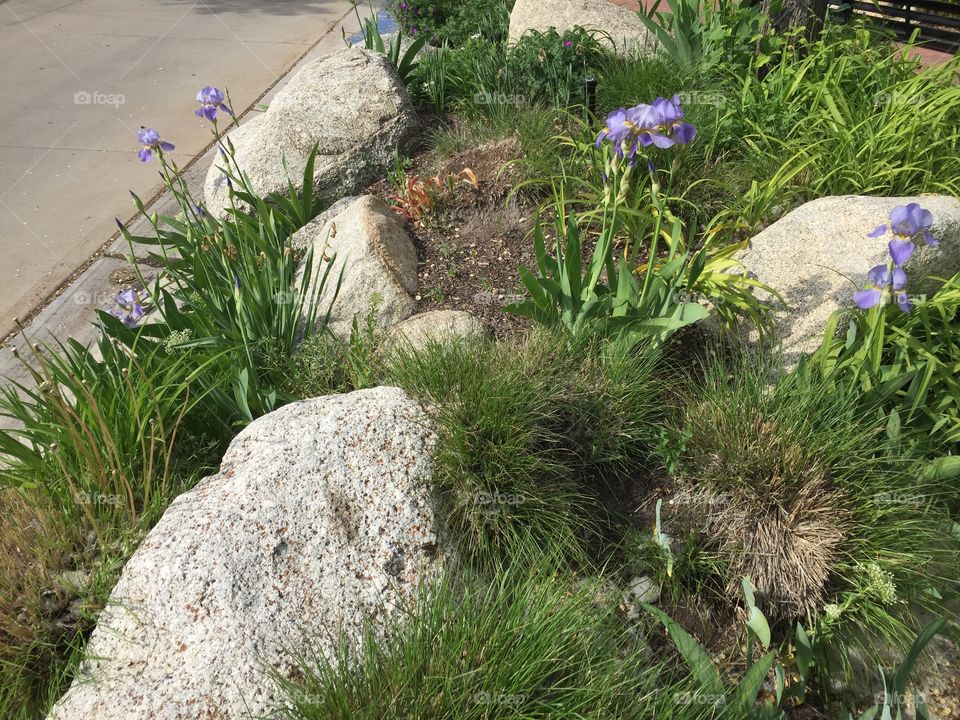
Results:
[568, 43]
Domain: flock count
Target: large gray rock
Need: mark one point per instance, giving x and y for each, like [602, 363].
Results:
[627, 33]
[377, 259]
[351, 103]
[417, 332]
[320, 518]
[818, 255]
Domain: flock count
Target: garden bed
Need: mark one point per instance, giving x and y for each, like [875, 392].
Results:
[649, 517]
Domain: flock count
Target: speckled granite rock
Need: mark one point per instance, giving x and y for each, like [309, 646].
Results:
[811, 255]
[623, 27]
[368, 244]
[351, 104]
[319, 518]
[418, 331]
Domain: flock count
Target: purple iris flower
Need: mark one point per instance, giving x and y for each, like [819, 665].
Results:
[906, 221]
[151, 142]
[648, 126]
[618, 131]
[659, 124]
[671, 118]
[888, 279]
[882, 275]
[131, 307]
[211, 99]
[866, 299]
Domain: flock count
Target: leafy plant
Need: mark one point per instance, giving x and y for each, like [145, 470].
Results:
[696, 33]
[904, 364]
[736, 702]
[551, 67]
[680, 32]
[235, 289]
[404, 59]
[482, 78]
[416, 196]
[447, 21]
[895, 688]
[567, 295]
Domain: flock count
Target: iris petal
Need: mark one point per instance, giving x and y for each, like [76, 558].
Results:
[879, 275]
[866, 299]
[899, 278]
[904, 302]
[901, 250]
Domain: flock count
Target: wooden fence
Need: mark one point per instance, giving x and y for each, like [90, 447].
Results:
[937, 20]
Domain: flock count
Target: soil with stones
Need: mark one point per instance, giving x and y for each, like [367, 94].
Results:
[471, 232]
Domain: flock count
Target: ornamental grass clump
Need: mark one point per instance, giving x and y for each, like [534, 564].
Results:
[812, 493]
[531, 431]
[524, 643]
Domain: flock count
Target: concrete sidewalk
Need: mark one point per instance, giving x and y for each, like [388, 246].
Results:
[79, 78]
[71, 310]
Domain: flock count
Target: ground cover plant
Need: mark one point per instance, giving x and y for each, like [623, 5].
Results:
[799, 529]
[106, 436]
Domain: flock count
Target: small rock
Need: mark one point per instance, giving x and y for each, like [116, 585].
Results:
[641, 589]
[376, 257]
[440, 326]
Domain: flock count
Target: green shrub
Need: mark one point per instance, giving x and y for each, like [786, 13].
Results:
[531, 431]
[552, 67]
[541, 69]
[526, 643]
[445, 21]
